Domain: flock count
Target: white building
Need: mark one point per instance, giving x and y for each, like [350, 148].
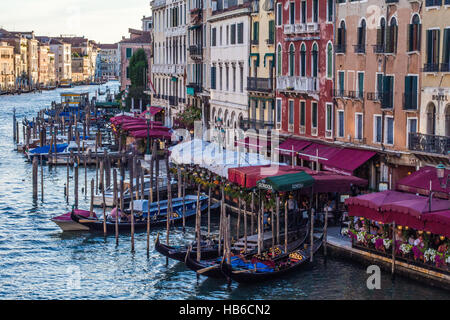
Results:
[108, 61]
[169, 56]
[63, 59]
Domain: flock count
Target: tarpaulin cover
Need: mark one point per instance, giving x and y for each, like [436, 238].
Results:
[419, 182]
[45, 149]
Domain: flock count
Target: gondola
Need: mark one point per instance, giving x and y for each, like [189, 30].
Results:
[211, 267]
[209, 250]
[140, 223]
[256, 271]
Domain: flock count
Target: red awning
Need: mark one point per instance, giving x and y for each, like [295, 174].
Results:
[330, 182]
[255, 144]
[419, 182]
[288, 145]
[152, 134]
[347, 160]
[153, 111]
[438, 222]
[377, 199]
[324, 152]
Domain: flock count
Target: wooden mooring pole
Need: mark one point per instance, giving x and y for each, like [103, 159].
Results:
[35, 178]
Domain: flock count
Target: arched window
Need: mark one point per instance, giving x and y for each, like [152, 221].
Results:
[279, 60]
[291, 60]
[341, 37]
[303, 60]
[381, 36]
[361, 46]
[391, 36]
[414, 30]
[329, 60]
[314, 60]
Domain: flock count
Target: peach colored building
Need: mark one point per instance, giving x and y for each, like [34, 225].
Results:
[377, 82]
[6, 66]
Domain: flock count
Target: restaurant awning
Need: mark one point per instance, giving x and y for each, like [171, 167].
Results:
[330, 182]
[152, 134]
[289, 145]
[255, 144]
[287, 182]
[438, 222]
[315, 150]
[347, 160]
[419, 182]
[153, 111]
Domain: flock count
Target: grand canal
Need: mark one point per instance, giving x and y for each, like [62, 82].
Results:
[38, 261]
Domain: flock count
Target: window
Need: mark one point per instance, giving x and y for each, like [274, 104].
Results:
[379, 86]
[329, 60]
[411, 128]
[128, 72]
[410, 95]
[303, 60]
[278, 110]
[233, 34]
[341, 123]
[314, 114]
[387, 100]
[220, 77]
[302, 113]
[361, 34]
[391, 37]
[240, 36]
[227, 75]
[213, 37]
[381, 36]
[291, 60]
[315, 57]
[433, 39]
[340, 46]
[315, 11]
[330, 10]
[361, 85]
[445, 67]
[220, 36]
[303, 12]
[279, 60]
[292, 12]
[329, 124]
[234, 78]
[241, 72]
[228, 35]
[255, 32]
[358, 126]
[271, 32]
[213, 77]
[341, 75]
[291, 111]
[377, 127]
[129, 52]
[389, 136]
[279, 14]
[414, 32]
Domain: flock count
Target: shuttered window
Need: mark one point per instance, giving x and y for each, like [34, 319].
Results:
[291, 112]
[414, 33]
[314, 114]
[410, 95]
[233, 34]
[240, 33]
[255, 32]
[302, 113]
[213, 37]
[391, 39]
[213, 77]
[446, 53]
[303, 61]
[271, 31]
[291, 12]
[279, 14]
[388, 92]
[433, 37]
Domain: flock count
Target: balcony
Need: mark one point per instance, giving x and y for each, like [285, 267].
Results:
[429, 143]
[196, 16]
[300, 28]
[379, 48]
[269, 5]
[410, 101]
[312, 27]
[374, 96]
[259, 84]
[339, 48]
[445, 67]
[196, 51]
[433, 3]
[255, 6]
[360, 48]
[298, 84]
[339, 93]
[194, 88]
[246, 124]
[288, 29]
[173, 101]
[430, 67]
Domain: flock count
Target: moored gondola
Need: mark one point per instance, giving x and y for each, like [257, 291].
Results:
[243, 271]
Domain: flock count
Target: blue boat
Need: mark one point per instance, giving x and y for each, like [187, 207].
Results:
[44, 150]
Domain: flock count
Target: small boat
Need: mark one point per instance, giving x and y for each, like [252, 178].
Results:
[140, 221]
[209, 250]
[212, 268]
[257, 270]
[66, 223]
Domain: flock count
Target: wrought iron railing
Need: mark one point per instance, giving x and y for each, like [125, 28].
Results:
[378, 48]
[259, 84]
[430, 67]
[360, 48]
[429, 143]
[246, 124]
[445, 67]
[195, 50]
[433, 3]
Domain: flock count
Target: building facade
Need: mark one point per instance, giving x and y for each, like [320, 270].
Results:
[63, 59]
[7, 74]
[169, 61]
[108, 61]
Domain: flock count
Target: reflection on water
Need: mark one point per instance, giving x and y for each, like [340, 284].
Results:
[37, 259]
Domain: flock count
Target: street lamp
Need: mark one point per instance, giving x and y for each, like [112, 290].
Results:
[148, 117]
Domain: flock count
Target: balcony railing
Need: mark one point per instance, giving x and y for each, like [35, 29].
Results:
[197, 87]
[429, 143]
[410, 101]
[340, 48]
[360, 48]
[157, 4]
[173, 101]
[259, 84]
[312, 27]
[430, 67]
[299, 84]
[338, 93]
[196, 51]
[445, 67]
[269, 5]
[246, 124]
[255, 6]
[379, 48]
[300, 28]
[254, 42]
[374, 96]
[433, 3]
[288, 28]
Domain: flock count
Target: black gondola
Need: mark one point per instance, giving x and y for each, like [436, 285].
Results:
[209, 250]
[211, 267]
[245, 273]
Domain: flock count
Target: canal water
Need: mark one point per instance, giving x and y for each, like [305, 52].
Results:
[39, 261]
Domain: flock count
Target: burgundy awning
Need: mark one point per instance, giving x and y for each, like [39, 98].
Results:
[329, 182]
[347, 160]
[152, 134]
[289, 145]
[438, 222]
[153, 111]
[419, 182]
[324, 152]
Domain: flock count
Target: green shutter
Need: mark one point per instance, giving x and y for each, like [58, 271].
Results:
[271, 31]
[414, 92]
